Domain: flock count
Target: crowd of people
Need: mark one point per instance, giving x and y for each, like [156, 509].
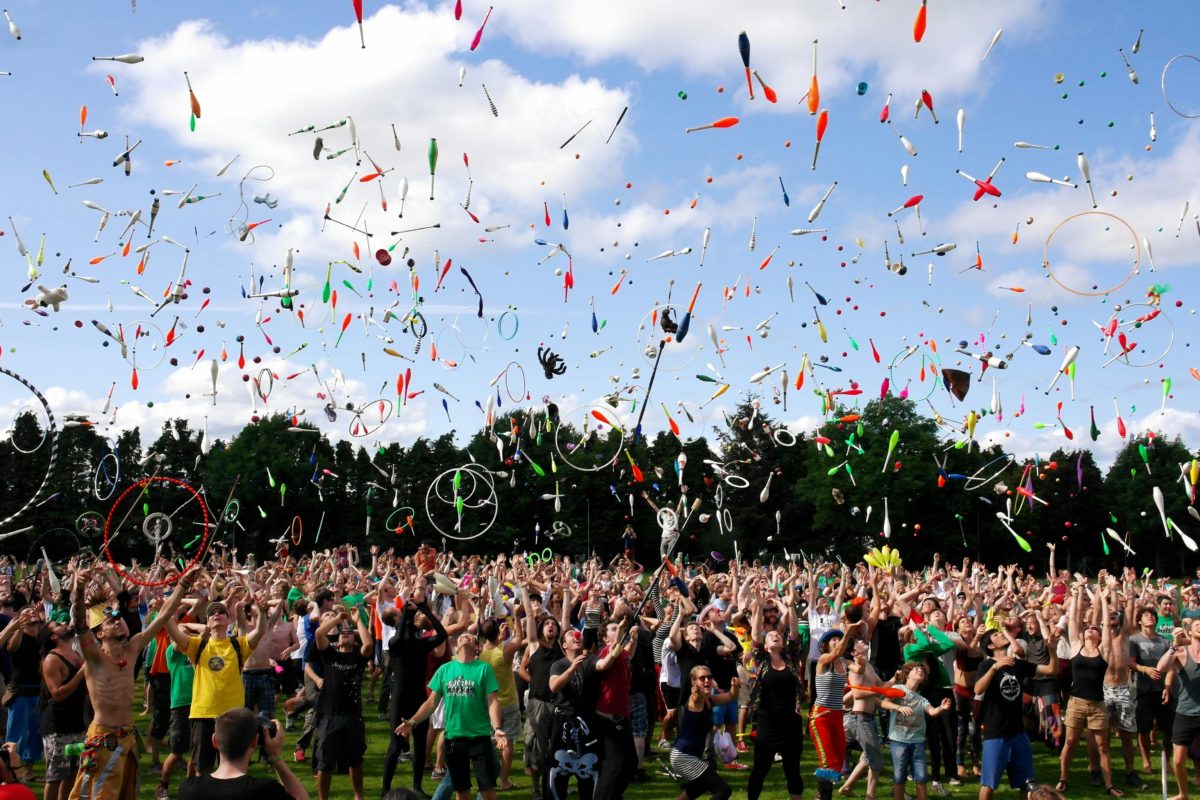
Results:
[608, 673]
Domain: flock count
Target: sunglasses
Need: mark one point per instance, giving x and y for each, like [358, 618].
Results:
[112, 613]
[704, 677]
[214, 611]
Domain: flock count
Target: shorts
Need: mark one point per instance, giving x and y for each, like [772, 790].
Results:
[1185, 730]
[1150, 711]
[160, 692]
[861, 728]
[670, 695]
[24, 724]
[179, 731]
[341, 743]
[60, 766]
[908, 760]
[1088, 714]
[727, 713]
[639, 722]
[261, 686]
[510, 721]
[378, 660]
[1118, 704]
[471, 753]
[108, 768]
[1012, 755]
[746, 681]
[204, 755]
[437, 720]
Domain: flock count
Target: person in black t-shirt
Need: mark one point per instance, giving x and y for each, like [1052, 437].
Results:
[1006, 745]
[342, 737]
[236, 737]
[574, 748]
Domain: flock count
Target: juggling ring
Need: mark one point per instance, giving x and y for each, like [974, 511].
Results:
[535, 558]
[137, 487]
[13, 442]
[492, 499]
[231, 511]
[111, 482]
[731, 480]
[35, 549]
[51, 431]
[296, 531]
[667, 519]
[466, 495]
[459, 334]
[559, 530]
[1163, 84]
[516, 325]
[141, 329]
[367, 428]
[450, 364]
[157, 528]
[925, 358]
[1138, 326]
[269, 383]
[524, 383]
[979, 483]
[89, 522]
[408, 523]
[1132, 269]
[557, 445]
[779, 439]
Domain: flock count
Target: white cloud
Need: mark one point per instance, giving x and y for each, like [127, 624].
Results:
[867, 41]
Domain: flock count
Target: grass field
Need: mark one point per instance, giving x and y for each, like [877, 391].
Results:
[660, 786]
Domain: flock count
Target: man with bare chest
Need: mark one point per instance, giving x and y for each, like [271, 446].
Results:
[108, 766]
[259, 677]
[1118, 699]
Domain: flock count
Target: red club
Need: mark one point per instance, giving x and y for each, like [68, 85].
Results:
[985, 186]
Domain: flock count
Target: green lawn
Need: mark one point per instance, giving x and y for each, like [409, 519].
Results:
[661, 786]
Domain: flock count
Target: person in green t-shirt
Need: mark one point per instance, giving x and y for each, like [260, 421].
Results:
[179, 740]
[473, 717]
[1165, 605]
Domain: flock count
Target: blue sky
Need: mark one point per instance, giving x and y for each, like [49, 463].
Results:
[551, 69]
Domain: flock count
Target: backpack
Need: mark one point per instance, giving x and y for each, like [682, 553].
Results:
[237, 649]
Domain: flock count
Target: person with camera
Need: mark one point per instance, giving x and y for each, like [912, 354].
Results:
[236, 736]
[11, 787]
[342, 735]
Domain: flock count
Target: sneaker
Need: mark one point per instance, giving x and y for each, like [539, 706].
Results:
[955, 782]
[162, 793]
[298, 755]
[406, 757]
[736, 765]
[741, 746]
[664, 745]
[438, 773]
[937, 788]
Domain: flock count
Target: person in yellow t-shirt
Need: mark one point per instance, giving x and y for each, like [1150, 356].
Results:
[498, 651]
[217, 685]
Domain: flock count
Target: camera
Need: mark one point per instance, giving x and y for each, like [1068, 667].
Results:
[266, 730]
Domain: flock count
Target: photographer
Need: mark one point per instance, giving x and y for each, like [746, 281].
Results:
[236, 737]
[11, 787]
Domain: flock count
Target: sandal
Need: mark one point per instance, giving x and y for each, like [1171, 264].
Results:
[1061, 787]
[1113, 791]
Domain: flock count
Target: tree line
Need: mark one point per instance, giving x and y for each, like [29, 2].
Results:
[552, 483]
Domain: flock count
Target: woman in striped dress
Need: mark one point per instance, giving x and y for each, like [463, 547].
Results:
[825, 721]
[695, 724]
